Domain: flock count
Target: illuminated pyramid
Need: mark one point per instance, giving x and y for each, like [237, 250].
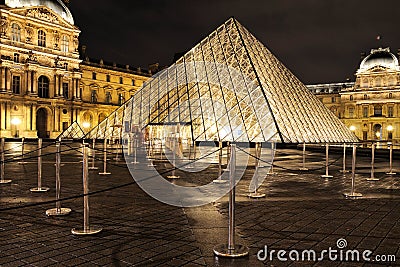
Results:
[229, 87]
[74, 131]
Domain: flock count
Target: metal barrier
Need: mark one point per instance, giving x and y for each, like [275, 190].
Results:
[2, 180]
[87, 230]
[326, 175]
[231, 250]
[353, 193]
[255, 193]
[390, 160]
[93, 155]
[304, 168]
[58, 211]
[105, 159]
[344, 159]
[372, 178]
[39, 187]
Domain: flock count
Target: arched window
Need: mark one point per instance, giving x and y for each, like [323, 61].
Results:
[121, 99]
[65, 44]
[365, 97]
[351, 98]
[41, 38]
[15, 33]
[378, 111]
[43, 87]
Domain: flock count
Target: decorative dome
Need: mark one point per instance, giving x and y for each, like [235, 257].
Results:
[380, 57]
[56, 5]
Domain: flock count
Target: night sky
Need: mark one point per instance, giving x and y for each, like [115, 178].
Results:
[319, 40]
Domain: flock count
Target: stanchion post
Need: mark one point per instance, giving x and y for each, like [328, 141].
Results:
[135, 142]
[271, 170]
[326, 176]
[173, 176]
[22, 152]
[344, 159]
[2, 180]
[373, 178]
[39, 187]
[255, 193]
[219, 180]
[105, 159]
[58, 211]
[231, 250]
[390, 160]
[93, 155]
[87, 230]
[303, 168]
[353, 193]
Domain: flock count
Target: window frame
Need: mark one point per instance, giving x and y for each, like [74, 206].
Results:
[42, 38]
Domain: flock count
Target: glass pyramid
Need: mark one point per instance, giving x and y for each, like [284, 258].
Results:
[229, 87]
[74, 131]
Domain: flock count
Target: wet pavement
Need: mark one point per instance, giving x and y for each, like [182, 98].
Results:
[301, 211]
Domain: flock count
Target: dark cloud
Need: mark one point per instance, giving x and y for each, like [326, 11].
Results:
[320, 41]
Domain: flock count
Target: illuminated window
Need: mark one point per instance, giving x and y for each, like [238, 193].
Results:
[16, 84]
[121, 99]
[378, 111]
[93, 98]
[108, 97]
[365, 112]
[351, 112]
[15, 33]
[390, 112]
[41, 38]
[43, 87]
[65, 44]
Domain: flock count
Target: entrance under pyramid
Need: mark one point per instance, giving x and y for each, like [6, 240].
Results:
[229, 87]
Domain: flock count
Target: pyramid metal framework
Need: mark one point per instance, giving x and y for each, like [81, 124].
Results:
[229, 87]
[74, 131]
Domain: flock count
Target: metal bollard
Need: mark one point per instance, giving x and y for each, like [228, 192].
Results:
[390, 160]
[23, 152]
[373, 164]
[173, 176]
[151, 154]
[304, 158]
[219, 180]
[93, 155]
[58, 211]
[105, 159]
[271, 170]
[2, 181]
[255, 193]
[353, 193]
[39, 187]
[189, 165]
[344, 159]
[231, 250]
[87, 230]
[326, 176]
[135, 142]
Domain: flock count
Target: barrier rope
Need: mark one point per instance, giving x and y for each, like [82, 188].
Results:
[287, 169]
[103, 190]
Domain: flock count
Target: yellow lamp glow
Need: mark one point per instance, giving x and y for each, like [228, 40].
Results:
[86, 124]
[15, 121]
[352, 128]
[390, 128]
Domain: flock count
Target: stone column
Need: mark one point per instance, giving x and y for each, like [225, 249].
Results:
[33, 117]
[56, 91]
[2, 79]
[8, 116]
[2, 116]
[60, 92]
[34, 82]
[8, 79]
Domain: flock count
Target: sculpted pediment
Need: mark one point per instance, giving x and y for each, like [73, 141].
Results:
[42, 13]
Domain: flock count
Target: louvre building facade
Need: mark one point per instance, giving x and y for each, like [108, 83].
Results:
[45, 83]
[370, 106]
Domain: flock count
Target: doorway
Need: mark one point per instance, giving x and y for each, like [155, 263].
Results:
[41, 123]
